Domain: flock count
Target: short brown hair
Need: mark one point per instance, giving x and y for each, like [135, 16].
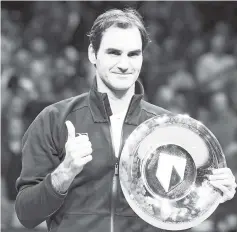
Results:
[119, 18]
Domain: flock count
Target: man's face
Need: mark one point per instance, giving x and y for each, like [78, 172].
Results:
[219, 103]
[218, 44]
[119, 58]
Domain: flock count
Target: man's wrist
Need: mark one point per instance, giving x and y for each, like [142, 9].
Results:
[61, 179]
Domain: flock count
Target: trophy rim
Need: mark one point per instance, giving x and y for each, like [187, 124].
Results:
[213, 143]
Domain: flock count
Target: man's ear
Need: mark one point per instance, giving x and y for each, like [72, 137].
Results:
[91, 54]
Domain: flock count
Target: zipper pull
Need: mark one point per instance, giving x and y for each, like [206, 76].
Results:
[116, 169]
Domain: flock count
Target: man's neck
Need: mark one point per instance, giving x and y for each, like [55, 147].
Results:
[119, 100]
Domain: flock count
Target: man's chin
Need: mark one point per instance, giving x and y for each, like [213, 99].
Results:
[121, 87]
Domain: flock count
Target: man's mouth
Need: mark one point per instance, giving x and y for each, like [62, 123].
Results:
[122, 74]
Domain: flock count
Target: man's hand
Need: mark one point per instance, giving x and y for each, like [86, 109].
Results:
[78, 154]
[78, 150]
[224, 180]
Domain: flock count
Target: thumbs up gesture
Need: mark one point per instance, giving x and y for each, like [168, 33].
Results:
[78, 150]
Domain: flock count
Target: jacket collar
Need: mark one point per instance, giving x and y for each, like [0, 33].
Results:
[100, 106]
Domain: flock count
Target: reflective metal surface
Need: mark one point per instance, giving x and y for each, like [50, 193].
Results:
[163, 171]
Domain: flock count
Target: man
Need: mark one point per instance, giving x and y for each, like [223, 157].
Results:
[212, 67]
[70, 179]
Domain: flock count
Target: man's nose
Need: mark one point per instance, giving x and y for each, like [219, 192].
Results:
[123, 64]
[122, 70]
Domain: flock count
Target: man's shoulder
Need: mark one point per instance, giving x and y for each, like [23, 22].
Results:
[63, 108]
[153, 109]
[206, 57]
[69, 105]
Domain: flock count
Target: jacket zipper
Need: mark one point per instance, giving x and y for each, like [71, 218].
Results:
[114, 196]
[115, 179]
[116, 172]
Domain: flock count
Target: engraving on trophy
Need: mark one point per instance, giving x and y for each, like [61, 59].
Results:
[170, 171]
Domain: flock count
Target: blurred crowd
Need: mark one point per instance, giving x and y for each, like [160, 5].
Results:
[188, 68]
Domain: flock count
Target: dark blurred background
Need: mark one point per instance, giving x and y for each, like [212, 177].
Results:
[190, 67]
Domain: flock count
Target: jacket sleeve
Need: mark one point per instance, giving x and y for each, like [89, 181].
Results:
[37, 199]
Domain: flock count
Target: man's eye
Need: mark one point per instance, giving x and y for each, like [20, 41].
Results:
[133, 54]
[114, 53]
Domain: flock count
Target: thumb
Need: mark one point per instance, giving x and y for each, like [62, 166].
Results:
[70, 130]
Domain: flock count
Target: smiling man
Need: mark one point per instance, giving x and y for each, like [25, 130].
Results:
[71, 151]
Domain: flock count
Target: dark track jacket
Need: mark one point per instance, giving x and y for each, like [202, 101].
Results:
[88, 206]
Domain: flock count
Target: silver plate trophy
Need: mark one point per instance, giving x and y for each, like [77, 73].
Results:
[163, 171]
